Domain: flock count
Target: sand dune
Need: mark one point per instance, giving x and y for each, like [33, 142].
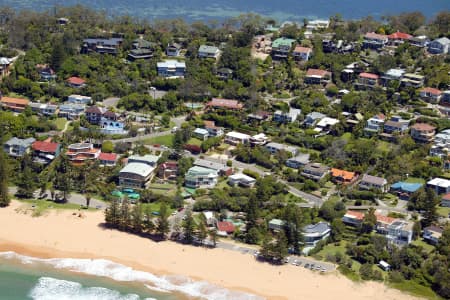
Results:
[61, 234]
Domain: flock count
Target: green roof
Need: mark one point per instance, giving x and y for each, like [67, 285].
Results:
[208, 49]
[282, 42]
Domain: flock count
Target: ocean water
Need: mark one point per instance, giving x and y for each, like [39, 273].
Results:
[24, 277]
[294, 10]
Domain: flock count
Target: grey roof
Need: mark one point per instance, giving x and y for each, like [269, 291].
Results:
[302, 158]
[210, 164]
[443, 41]
[171, 63]
[315, 115]
[146, 159]
[141, 169]
[20, 142]
[316, 167]
[319, 228]
[279, 147]
[208, 49]
[373, 179]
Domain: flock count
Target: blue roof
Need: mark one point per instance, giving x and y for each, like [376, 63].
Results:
[406, 186]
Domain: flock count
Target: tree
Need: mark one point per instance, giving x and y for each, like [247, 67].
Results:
[202, 232]
[4, 196]
[57, 56]
[107, 147]
[112, 214]
[136, 218]
[163, 221]
[148, 224]
[430, 214]
[213, 236]
[88, 199]
[369, 221]
[125, 218]
[188, 226]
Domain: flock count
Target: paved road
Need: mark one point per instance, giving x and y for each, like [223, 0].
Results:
[73, 198]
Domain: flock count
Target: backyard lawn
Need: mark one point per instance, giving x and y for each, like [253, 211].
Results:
[166, 140]
[60, 123]
[194, 141]
[39, 207]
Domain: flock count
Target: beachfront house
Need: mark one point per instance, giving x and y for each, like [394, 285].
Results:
[138, 171]
[205, 51]
[369, 182]
[80, 153]
[16, 147]
[439, 185]
[313, 233]
[171, 69]
[405, 189]
[44, 152]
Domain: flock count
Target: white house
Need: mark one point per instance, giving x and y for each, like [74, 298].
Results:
[241, 179]
[235, 138]
[79, 99]
[206, 51]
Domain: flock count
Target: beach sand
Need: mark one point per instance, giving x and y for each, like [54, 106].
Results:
[60, 234]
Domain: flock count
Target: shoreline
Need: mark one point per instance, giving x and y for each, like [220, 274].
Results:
[60, 234]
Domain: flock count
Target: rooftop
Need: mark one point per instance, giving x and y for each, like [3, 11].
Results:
[107, 156]
[137, 168]
[20, 142]
[346, 175]
[373, 179]
[17, 101]
[317, 73]
[423, 127]
[369, 75]
[282, 42]
[441, 182]
[225, 103]
[45, 146]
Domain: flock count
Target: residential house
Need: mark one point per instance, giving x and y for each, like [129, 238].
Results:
[46, 72]
[400, 232]
[302, 53]
[205, 51]
[445, 99]
[398, 38]
[76, 82]
[108, 159]
[383, 223]
[441, 144]
[405, 189]
[94, 114]
[224, 73]
[374, 41]
[168, 170]
[44, 109]
[445, 200]
[5, 64]
[101, 45]
[259, 116]
[142, 49]
[213, 130]
[112, 123]
[18, 147]
[316, 76]
[315, 171]
[235, 138]
[151, 160]
[281, 47]
[171, 69]
[210, 218]
[423, 132]
[286, 117]
[219, 103]
[314, 233]
[367, 80]
[313, 118]
[351, 120]
[44, 152]
[432, 234]
[369, 182]
[71, 111]
[199, 177]
[273, 148]
[259, 139]
[317, 24]
[241, 180]
[353, 218]
[173, 50]
[343, 177]
[14, 104]
[431, 95]
[79, 99]
[419, 41]
[439, 185]
[79, 153]
[412, 80]
[396, 125]
[276, 224]
[225, 228]
[339, 46]
[201, 134]
[375, 124]
[220, 168]
[324, 125]
[298, 161]
[391, 75]
[439, 46]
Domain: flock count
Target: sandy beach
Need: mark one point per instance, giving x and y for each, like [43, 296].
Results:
[60, 234]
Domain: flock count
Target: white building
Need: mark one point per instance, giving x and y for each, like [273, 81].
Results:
[79, 99]
[241, 179]
[235, 138]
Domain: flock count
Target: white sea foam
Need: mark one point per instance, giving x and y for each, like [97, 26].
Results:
[118, 272]
[49, 288]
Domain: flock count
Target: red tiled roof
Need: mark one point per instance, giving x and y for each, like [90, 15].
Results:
[94, 110]
[45, 146]
[423, 127]
[225, 103]
[107, 156]
[384, 219]
[346, 175]
[446, 197]
[228, 227]
[301, 49]
[400, 35]
[317, 72]
[76, 80]
[369, 75]
[431, 91]
[356, 214]
[15, 101]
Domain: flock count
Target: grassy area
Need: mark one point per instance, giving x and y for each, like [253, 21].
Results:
[415, 180]
[415, 289]
[194, 141]
[383, 146]
[60, 123]
[427, 247]
[346, 136]
[166, 140]
[443, 211]
[40, 207]
[165, 188]
[155, 206]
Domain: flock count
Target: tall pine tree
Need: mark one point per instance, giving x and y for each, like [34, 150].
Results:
[4, 196]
